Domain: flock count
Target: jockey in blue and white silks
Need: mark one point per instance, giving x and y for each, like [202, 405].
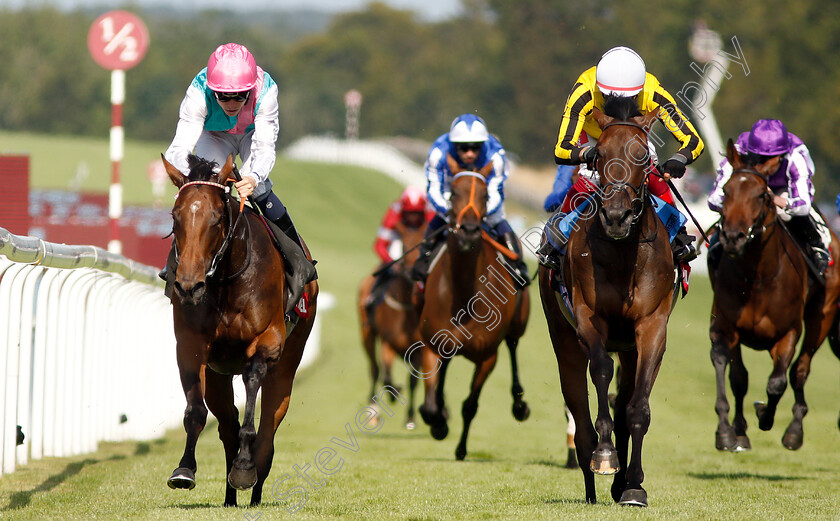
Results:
[468, 146]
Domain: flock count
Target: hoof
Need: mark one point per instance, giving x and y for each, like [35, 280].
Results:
[742, 444]
[571, 459]
[460, 453]
[765, 423]
[440, 431]
[725, 439]
[604, 462]
[242, 479]
[636, 497]
[792, 439]
[521, 411]
[410, 425]
[182, 478]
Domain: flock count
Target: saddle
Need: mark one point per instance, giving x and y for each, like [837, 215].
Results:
[299, 271]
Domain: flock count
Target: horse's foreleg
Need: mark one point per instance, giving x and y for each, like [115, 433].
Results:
[433, 410]
[388, 356]
[195, 418]
[782, 355]
[725, 436]
[520, 407]
[470, 405]
[626, 376]
[650, 342]
[244, 474]
[605, 458]
[220, 401]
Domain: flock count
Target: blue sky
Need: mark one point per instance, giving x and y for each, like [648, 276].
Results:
[427, 9]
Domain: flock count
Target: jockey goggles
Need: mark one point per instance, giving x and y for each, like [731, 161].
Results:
[232, 96]
[466, 147]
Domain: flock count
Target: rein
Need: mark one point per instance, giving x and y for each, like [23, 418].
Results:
[754, 230]
[484, 235]
[471, 204]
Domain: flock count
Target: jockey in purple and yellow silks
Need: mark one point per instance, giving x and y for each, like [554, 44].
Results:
[790, 183]
[620, 72]
[231, 107]
[468, 146]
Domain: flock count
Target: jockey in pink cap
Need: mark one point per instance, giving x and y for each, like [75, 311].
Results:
[790, 182]
[231, 107]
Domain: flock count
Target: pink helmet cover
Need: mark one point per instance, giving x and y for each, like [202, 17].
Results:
[231, 68]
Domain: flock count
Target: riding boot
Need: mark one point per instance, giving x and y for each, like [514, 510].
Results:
[512, 242]
[714, 251]
[301, 270]
[553, 258]
[682, 247]
[377, 291]
[819, 255]
[420, 270]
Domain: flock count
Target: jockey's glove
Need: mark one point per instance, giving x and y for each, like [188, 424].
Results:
[675, 166]
[588, 155]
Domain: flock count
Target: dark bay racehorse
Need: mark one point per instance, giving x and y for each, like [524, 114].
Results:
[228, 305]
[620, 274]
[394, 320]
[762, 294]
[471, 305]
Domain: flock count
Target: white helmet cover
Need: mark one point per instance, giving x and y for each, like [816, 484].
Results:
[620, 72]
[468, 128]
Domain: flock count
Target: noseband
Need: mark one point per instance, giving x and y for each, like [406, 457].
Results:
[639, 192]
[758, 226]
[471, 204]
[231, 228]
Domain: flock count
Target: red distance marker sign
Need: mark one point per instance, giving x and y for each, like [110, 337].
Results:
[118, 40]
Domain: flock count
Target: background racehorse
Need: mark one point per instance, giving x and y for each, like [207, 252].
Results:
[762, 292]
[620, 274]
[228, 305]
[394, 320]
[471, 305]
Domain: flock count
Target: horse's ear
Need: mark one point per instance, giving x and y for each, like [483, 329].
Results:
[486, 170]
[454, 167]
[178, 179]
[227, 168]
[647, 120]
[602, 119]
[768, 167]
[733, 156]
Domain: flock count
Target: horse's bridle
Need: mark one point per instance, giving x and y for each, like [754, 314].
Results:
[231, 229]
[639, 192]
[754, 230]
[471, 204]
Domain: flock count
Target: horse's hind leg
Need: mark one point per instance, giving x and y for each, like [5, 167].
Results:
[277, 390]
[388, 356]
[368, 336]
[834, 342]
[520, 407]
[782, 354]
[220, 401]
[410, 423]
[470, 405]
[195, 418]
[244, 474]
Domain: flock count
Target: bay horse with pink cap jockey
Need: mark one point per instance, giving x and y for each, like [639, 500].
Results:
[231, 108]
[764, 297]
[229, 306]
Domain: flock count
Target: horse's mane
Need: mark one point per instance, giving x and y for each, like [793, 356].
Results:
[621, 108]
[201, 169]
